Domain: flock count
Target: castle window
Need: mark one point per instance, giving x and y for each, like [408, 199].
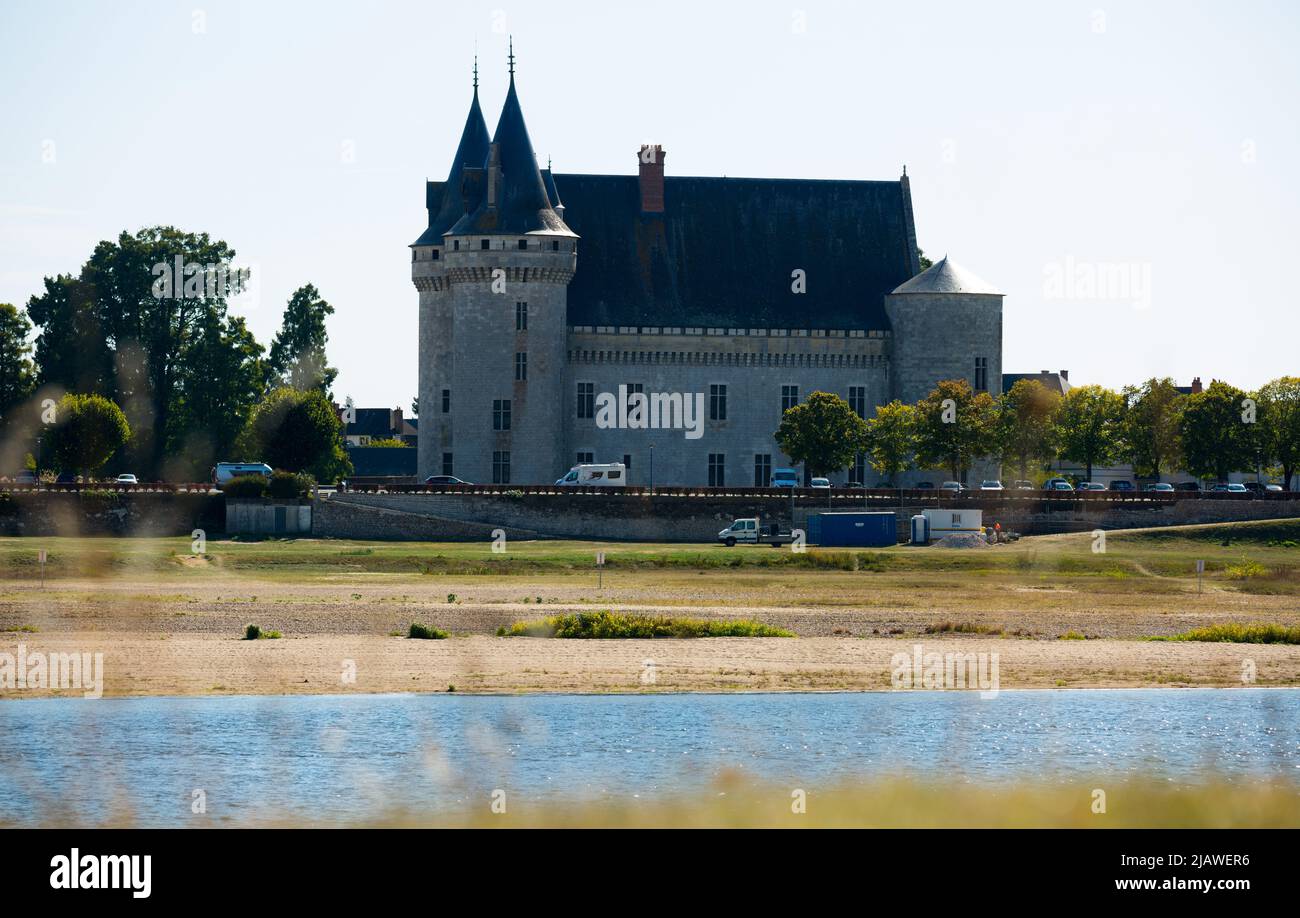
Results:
[433, 255]
[446, 401]
[789, 397]
[634, 387]
[501, 467]
[858, 400]
[523, 244]
[860, 468]
[485, 244]
[627, 461]
[521, 366]
[586, 458]
[586, 400]
[717, 470]
[981, 374]
[446, 464]
[717, 402]
[763, 470]
[501, 414]
[521, 317]
[456, 245]
[414, 254]
[555, 245]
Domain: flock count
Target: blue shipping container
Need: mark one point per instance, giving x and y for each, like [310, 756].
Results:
[853, 530]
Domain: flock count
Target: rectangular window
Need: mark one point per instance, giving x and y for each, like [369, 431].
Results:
[523, 244]
[717, 470]
[717, 402]
[446, 401]
[858, 400]
[586, 458]
[433, 256]
[635, 387]
[521, 317]
[555, 245]
[521, 366]
[446, 464]
[627, 461]
[485, 244]
[501, 467]
[789, 397]
[456, 245]
[501, 414]
[981, 374]
[763, 470]
[860, 468]
[586, 400]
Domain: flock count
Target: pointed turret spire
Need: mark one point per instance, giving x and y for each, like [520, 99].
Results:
[511, 59]
[470, 153]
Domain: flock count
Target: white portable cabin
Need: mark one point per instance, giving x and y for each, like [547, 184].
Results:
[946, 522]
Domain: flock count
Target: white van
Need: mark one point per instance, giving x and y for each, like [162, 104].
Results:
[597, 475]
[228, 470]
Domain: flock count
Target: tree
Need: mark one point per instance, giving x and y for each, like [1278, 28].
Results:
[1090, 425]
[823, 433]
[298, 431]
[1026, 425]
[1150, 426]
[87, 431]
[17, 381]
[123, 327]
[1279, 423]
[891, 439]
[1215, 432]
[954, 427]
[297, 355]
[415, 407]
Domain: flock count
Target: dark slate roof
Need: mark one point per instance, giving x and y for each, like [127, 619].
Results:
[446, 202]
[723, 253]
[1054, 382]
[372, 422]
[383, 461]
[523, 204]
[548, 179]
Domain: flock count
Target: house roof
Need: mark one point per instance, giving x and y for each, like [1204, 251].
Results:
[945, 277]
[1056, 382]
[724, 252]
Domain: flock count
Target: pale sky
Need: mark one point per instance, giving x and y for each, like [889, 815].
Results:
[1046, 142]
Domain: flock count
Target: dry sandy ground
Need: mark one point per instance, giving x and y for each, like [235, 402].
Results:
[168, 637]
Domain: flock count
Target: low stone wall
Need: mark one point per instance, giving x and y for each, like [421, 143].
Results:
[619, 517]
[78, 513]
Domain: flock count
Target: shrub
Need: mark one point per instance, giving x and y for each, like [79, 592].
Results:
[426, 633]
[625, 625]
[246, 486]
[290, 485]
[254, 633]
[1245, 570]
[1238, 634]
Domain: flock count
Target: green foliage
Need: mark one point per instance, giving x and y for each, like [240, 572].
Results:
[891, 438]
[1216, 439]
[17, 378]
[1246, 569]
[1026, 425]
[1149, 430]
[255, 633]
[386, 442]
[88, 430]
[289, 485]
[299, 431]
[954, 426]
[246, 486]
[1090, 426]
[297, 358]
[1239, 634]
[426, 633]
[1279, 422]
[626, 625]
[823, 432]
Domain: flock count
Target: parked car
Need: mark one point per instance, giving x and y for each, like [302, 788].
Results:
[66, 478]
[27, 477]
[1055, 484]
[126, 478]
[925, 486]
[823, 483]
[858, 484]
[1023, 485]
[1224, 487]
[225, 471]
[1090, 486]
[785, 478]
[445, 480]
[595, 475]
[1274, 488]
[954, 486]
[1188, 486]
[1162, 487]
[1122, 485]
[991, 484]
[749, 530]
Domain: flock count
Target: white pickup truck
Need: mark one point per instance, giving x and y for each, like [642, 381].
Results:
[749, 532]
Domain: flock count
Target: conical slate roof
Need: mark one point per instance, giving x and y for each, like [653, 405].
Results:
[946, 277]
[471, 151]
[522, 203]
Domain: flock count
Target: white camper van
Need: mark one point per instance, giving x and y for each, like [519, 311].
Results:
[225, 471]
[597, 475]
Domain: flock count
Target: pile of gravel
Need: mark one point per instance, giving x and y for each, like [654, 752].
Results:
[963, 540]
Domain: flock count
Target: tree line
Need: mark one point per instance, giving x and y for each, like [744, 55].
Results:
[1153, 426]
[137, 362]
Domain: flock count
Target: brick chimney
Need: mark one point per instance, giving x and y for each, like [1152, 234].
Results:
[650, 171]
[1196, 385]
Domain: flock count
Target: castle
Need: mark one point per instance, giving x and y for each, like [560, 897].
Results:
[542, 296]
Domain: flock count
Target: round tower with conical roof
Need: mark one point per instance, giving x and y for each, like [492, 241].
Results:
[497, 327]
